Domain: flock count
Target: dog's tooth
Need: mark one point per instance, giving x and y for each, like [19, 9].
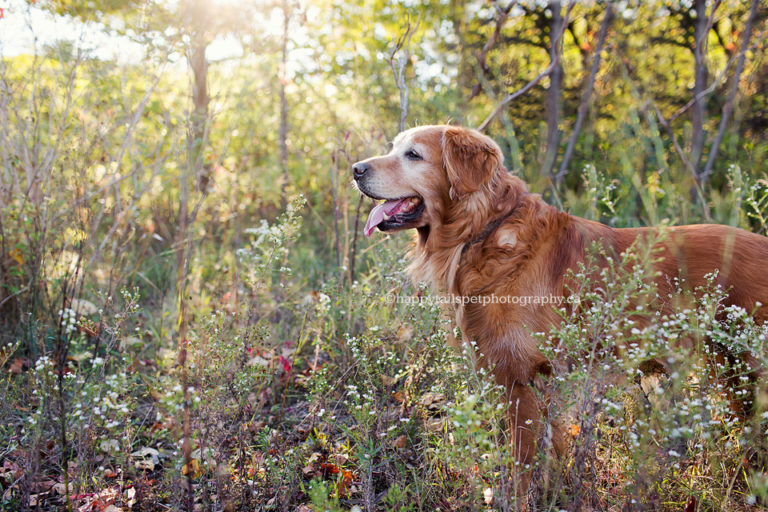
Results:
[387, 217]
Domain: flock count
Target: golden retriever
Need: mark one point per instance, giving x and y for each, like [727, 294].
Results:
[481, 233]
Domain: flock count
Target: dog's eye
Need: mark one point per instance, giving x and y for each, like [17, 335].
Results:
[412, 155]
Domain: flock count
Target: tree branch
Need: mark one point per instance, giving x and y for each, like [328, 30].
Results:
[527, 87]
[583, 107]
[482, 58]
[402, 43]
[685, 161]
[715, 82]
[728, 107]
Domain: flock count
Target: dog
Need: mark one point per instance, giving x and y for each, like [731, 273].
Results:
[480, 232]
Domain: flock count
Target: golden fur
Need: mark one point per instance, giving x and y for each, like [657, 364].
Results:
[465, 188]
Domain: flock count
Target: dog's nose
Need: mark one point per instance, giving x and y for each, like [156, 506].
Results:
[359, 169]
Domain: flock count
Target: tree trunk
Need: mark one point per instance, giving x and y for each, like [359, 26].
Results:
[283, 129]
[728, 107]
[200, 100]
[698, 112]
[555, 87]
[584, 106]
[459, 15]
[195, 168]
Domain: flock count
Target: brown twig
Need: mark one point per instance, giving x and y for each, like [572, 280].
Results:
[353, 256]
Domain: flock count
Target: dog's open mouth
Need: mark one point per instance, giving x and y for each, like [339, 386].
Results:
[394, 214]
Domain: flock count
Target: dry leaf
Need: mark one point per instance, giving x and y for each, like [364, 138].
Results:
[400, 442]
[148, 458]
[387, 380]
[488, 495]
[17, 365]
[194, 467]
[17, 255]
[59, 488]
[130, 496]
[431, 399]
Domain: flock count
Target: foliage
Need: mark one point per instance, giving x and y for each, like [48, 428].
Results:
[310, 384]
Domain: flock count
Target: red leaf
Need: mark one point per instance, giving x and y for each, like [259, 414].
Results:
[2, 13]
[286, 364]
[329, 468]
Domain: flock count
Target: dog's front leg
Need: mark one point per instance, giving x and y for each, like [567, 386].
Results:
[525, 427]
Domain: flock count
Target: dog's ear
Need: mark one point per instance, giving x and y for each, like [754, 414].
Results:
[470, 159]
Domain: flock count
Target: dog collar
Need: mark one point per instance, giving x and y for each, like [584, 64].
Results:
[488, 231]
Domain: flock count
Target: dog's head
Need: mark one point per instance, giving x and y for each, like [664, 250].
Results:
[428, 173]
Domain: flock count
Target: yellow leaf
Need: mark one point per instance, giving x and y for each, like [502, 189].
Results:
[17, 256]
[194, 466]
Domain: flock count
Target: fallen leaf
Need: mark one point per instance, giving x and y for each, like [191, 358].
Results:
[130, 496]
[193, 467]
[434, 424]
[400, 442]
[343, 486]
[488, 495]
[60, 489]
[18, 365]
[148, 458]
[387, 380]
[431, 400]
[329, 468]
[42, 486]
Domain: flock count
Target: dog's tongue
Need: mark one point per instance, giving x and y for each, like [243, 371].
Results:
[376, 216]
